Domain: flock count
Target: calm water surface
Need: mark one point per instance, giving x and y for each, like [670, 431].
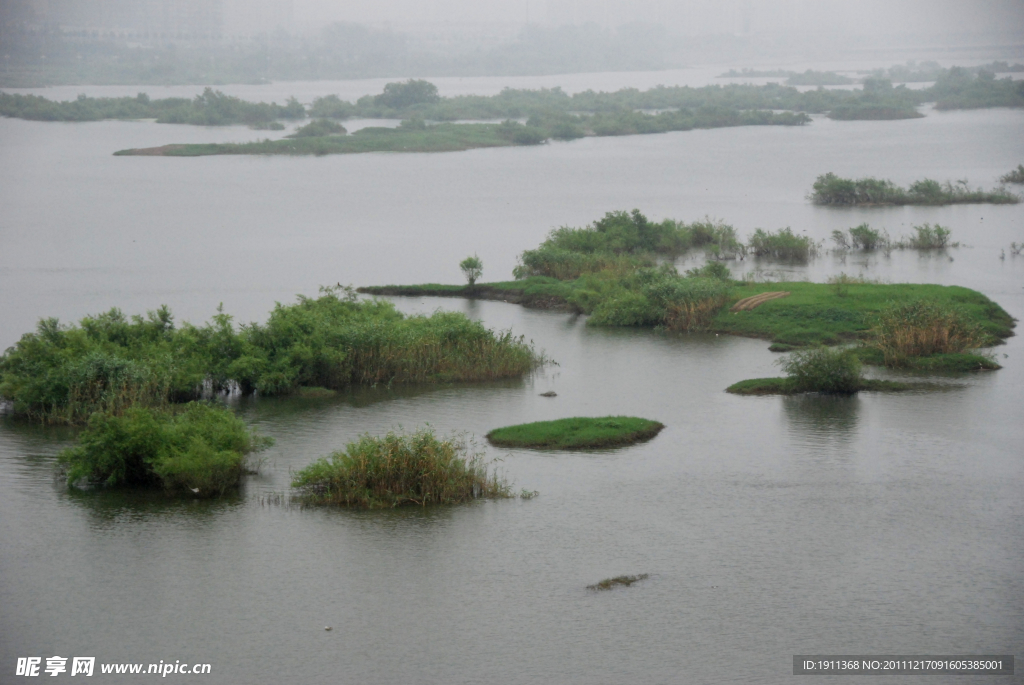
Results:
[769, 526]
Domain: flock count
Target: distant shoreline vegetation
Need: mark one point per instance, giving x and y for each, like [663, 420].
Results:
[418, 100]
[835, 191]
[416, 136]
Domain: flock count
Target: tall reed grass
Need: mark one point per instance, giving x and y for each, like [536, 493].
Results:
[782, 244]
[922, 328]
[109, 363]
[397, 469]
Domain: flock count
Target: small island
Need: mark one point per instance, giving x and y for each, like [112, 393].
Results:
[786, 386]
[608, 271]
[400, 469]
[576, 433]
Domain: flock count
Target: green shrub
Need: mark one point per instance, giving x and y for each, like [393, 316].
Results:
[865, 237]
[929, 237]
[824, 369]
[399, 469]
[201, 448]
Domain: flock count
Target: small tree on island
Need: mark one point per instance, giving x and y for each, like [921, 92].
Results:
[472, 267]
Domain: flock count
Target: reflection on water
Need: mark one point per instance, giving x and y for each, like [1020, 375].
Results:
[822, 421]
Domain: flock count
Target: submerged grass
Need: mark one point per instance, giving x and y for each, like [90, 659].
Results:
[832, 190]
[577, 433]
[397, 469]
[624, 581]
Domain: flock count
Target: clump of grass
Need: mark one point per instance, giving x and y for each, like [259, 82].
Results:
[824, 369]
[692, 303]
[577, 433]
[909, 330]
[201, 449]
[625, 581]
[782, 244]
[863, 237]
[398, 469]
[1015, 176]
[842, 282]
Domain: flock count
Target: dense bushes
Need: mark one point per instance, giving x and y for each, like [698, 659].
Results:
[111, 363]
[201, 448]
[824, 369]
[399, 469]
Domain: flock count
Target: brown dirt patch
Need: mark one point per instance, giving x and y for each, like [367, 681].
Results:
[748, 303]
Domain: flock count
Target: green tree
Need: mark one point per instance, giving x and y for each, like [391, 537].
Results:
[472, 267]
[412, 92]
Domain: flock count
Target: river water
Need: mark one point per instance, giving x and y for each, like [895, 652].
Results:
[769, 526]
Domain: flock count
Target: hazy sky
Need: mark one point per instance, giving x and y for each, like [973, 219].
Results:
[682, 16]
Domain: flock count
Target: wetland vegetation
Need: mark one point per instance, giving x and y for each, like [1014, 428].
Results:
[1015, 176]
[833, 371]
[835, 191]
[618, 581]
[198, 448]
[550, 114]
[399, 469]
[607, 271]
[112, 363]
[577, 433]
[211, 108]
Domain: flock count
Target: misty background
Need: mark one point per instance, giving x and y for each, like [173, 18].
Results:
[48, 42]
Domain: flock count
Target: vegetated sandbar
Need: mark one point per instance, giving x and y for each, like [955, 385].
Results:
[812, 314]
[576, 433]
[787, 386]
[447, 137]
